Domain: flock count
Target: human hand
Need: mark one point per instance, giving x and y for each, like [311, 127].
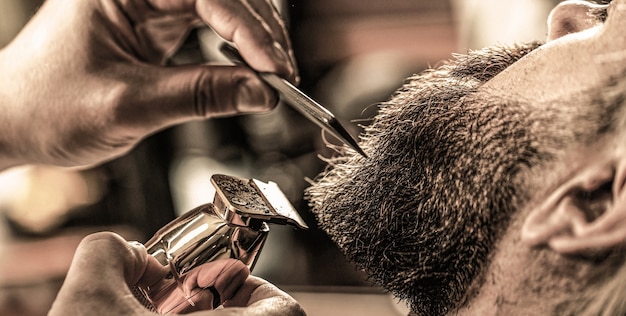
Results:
[84, 81]
[105, 265]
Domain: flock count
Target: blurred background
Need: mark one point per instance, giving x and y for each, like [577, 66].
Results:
[351, 55]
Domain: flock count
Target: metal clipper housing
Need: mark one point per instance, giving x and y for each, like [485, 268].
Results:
[233, 226]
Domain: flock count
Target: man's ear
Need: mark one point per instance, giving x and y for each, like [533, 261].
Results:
[571, 17]
[584, 215]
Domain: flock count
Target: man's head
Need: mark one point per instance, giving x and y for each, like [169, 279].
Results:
[497, 180]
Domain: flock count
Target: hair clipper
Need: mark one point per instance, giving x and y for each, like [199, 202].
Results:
[235, 225]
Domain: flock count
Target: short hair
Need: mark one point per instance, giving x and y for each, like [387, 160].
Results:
[422, 214]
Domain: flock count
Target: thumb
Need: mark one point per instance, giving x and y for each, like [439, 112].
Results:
[165, 96]
[108, 258]
[103, 266]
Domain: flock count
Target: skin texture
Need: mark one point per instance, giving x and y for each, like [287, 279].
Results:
[84, 81]
[494, 184]
[105, 266]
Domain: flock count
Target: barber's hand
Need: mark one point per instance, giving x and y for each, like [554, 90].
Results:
[84, 81]
[105, 265]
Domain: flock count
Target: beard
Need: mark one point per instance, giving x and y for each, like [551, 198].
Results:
[422, 213]
[448, 167]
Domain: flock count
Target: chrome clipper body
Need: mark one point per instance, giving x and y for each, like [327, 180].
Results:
[235, 225]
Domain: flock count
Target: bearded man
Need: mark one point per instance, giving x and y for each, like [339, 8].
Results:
[495, 184]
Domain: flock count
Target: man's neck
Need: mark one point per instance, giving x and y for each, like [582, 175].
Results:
[505, 287]
[527, 281]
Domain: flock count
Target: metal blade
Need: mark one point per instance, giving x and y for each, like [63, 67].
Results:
[299, 101]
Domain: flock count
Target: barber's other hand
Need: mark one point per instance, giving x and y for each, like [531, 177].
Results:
[84, 81]
[105, 265]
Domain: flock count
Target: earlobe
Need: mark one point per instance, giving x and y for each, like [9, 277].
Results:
[585, 215]
[571, 17]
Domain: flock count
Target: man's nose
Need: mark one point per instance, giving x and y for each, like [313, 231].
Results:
[571, 17]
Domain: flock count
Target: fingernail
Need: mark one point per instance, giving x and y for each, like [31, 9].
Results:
[283, 58]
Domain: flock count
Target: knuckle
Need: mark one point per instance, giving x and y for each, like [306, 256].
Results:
[108, 237]
[201, 95]
[231, 90]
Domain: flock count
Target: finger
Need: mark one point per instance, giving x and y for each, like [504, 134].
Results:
[108, 258]
[255, 27]
[180, 94]
[244, 294]
[267, 12]
[261, 46]
[255, 290]
[263, 298]
[199, 300]
[225, 276]
[276, 23]
[103, 266]
[231, 277]
[173, 5]
[208, 285]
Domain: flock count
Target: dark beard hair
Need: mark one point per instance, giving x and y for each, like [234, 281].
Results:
[423, 212]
